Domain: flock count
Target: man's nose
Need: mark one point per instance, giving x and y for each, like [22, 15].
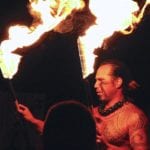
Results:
[96, 84]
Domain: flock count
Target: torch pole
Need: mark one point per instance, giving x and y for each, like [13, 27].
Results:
[84, 73]
[13, 92]
[21, 121]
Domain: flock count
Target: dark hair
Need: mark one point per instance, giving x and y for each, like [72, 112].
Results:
[69, 125]
[119, 69]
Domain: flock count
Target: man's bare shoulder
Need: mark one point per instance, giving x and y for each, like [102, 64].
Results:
[136, 116]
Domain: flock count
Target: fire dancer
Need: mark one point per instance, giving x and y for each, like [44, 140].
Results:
[120, 124]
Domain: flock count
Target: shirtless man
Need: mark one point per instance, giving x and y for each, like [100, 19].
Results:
[120, 124]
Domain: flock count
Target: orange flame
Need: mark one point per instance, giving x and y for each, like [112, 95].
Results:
[122, 17]
[112, 16]
[47, 15]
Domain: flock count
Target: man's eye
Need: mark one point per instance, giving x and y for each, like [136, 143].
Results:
[104, 83]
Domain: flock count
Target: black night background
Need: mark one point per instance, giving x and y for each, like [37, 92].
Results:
[50, 70]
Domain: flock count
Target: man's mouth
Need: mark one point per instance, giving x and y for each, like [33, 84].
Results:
[99, 93]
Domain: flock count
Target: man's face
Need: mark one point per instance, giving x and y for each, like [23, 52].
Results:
[105, 83]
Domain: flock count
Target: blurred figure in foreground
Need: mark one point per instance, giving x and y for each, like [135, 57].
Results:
[69, 125]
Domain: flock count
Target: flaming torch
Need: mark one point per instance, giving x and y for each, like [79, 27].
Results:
[47, 15]
[123, 16]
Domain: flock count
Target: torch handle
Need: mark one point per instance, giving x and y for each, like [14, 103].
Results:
[13, 92]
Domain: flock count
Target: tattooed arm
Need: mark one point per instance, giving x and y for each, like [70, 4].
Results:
[138, 132]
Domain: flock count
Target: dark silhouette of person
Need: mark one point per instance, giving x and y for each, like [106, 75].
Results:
[69, 125]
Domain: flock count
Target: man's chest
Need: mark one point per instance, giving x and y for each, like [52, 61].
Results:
[113, 129]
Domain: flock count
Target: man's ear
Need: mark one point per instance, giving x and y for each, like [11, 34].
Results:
[118, 82]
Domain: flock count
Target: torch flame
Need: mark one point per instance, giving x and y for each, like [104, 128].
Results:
[47, 15]
[111, 16]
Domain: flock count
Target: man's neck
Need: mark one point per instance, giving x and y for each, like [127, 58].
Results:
[113, 101]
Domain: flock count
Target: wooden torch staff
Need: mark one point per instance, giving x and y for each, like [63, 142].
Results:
[13, 92]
